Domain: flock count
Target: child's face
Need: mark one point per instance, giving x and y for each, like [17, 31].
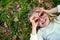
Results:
[43, 19]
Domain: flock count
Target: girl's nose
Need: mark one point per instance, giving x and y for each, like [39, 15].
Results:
[41, 19]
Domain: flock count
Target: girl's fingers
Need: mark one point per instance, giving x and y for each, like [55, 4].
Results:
[36, 20]
[33, 19]
[37, 23]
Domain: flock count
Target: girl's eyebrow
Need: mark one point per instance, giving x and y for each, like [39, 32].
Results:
[40, 14]
[38, 11]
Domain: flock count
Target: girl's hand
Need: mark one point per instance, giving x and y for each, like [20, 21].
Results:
[34, 21]
[42, 10]
[34, 24]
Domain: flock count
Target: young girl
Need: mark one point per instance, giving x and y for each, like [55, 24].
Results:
[50, 30]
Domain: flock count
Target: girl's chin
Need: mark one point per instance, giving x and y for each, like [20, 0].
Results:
[42, 26]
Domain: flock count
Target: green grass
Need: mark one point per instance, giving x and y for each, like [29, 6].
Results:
[9, 10]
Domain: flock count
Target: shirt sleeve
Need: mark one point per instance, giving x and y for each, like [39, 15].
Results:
[58, 6]
[58, 17]
[33, 37]
[37, 36]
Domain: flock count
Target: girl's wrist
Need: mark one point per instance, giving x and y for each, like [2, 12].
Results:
[33, 27]
[34, 31]
[53, 10]
[49, 11]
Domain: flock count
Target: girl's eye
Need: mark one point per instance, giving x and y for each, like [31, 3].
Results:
[42, 14]
[36, 20]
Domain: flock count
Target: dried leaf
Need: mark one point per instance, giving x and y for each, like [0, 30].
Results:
[16, 19]
[21, 37]
[19, 7]
[5, 24]
[47, 4]
[41, 1]
[2, 29]
[1, 8]
[14, 37]
[21, 27]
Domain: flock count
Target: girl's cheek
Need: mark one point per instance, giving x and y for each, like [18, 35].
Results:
[40, 24]
[47, 21]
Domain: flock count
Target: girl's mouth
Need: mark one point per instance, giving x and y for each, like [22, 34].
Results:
[44, 21]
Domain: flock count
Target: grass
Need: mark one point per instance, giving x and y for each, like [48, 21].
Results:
[14, 23]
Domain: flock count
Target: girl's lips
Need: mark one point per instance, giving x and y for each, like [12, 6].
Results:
[44, 21]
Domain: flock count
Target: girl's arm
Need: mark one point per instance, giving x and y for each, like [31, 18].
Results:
[33, 34]
[36, 36]
[54, 10]
[34, 26]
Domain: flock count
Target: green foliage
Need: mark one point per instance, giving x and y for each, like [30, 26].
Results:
[9, 10]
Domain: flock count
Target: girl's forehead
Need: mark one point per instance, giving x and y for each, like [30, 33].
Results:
[39, 14]
[35, 14]
[36, 11]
